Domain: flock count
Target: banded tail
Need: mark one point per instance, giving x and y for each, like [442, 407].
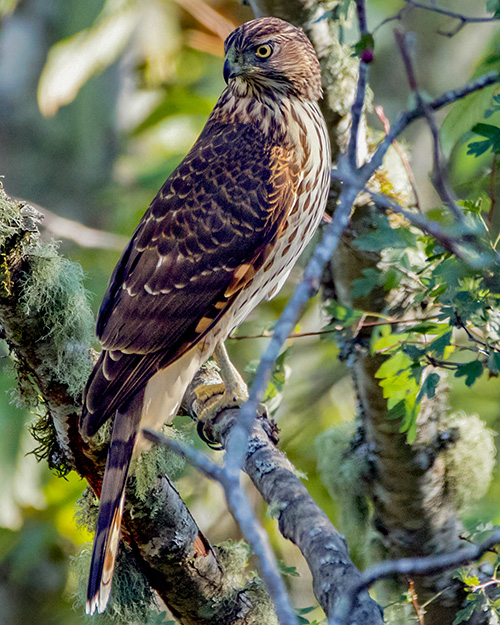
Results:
[107, 536]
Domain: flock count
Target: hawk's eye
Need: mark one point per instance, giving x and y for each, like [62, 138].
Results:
[263, 51]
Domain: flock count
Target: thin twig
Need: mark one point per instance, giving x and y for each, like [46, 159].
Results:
[359, 101]
[439, 172]
[366, 324]
[462, 19]
[414, 600]
[410, 566]
[379, 110]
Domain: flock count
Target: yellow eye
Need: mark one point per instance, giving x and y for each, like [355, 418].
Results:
[263, 51]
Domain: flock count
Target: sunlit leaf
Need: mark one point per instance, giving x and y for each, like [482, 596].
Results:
[7, 6]
[71, 62]
[463, 115]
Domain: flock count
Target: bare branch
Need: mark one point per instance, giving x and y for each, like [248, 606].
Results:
[300, 518]
[357, 107]
[439, 171]
[411, 566]
[462, 19]
[72, 230]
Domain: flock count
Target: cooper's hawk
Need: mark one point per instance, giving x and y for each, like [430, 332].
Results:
[222, 234]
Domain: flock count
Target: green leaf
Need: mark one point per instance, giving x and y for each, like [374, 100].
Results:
[288, 571]
[492, 134]
[365, 43]
[471, 580]
[364, 286]
[302, 611]
[428, 387]
[464, 615]
[412, 351]
[493, 6]
[393, 366]
[494, 363]
[384, 236]
[441, 343]
[486, 130]
[463, 115]
[410, 428]
[398, 411]
[427, 328]
[472, 371]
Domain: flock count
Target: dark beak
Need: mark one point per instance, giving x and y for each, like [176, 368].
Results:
[227, 71]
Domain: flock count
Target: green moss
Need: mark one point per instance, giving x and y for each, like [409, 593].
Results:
[86, 510]
[233, 557]
[343, 468]
[53, 316]
[262, 605]
[132, 600]
[470, 460]
[155, 462]
[12, 218]
[53, 291]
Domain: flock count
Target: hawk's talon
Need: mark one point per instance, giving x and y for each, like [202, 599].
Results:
[200, 428]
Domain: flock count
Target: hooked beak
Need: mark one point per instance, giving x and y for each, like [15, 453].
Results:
[231, 70]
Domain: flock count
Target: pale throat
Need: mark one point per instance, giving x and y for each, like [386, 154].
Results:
[270, 110]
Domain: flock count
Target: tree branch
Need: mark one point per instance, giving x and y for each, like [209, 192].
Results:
[37, 289]
[300, 519]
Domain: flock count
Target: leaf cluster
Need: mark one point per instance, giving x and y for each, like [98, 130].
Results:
[443, 311]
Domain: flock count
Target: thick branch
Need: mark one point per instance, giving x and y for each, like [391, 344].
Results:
[176, 558]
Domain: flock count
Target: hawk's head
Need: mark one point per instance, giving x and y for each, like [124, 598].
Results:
[273, 54]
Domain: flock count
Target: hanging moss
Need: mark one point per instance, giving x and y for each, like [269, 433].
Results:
[132, 600]
[86, 510]
[53, 291]
[343, 468]
[470, 460]
[53, 317]
[233, 557]
[155, 462]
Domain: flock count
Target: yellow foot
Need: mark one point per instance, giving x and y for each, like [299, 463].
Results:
[218, 398]
[215, 404]
[204, 393]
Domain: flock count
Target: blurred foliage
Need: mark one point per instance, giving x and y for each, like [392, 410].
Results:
[99, 101]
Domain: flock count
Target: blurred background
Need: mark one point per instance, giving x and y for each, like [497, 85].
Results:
[99, 101]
